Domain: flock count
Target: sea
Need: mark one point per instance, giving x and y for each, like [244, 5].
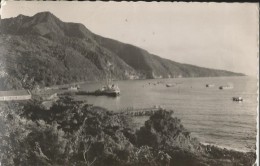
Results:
[208, 113]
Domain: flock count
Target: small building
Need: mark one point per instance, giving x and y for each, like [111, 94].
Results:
[15, 95]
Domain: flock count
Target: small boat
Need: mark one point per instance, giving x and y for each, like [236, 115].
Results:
[108, 90]
[226, 87]
[209, 85]
[237, 99]
[169, 85]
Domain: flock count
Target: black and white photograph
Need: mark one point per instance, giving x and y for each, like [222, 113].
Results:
[129, 83]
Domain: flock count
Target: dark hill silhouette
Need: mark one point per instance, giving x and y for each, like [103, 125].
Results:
[43, 50]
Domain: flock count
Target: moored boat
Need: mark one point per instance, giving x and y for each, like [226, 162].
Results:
[209, 85]
[226, 87]
[237, 99]
[169, 85]
[108, 90]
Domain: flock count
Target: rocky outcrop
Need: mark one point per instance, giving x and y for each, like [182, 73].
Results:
[164, 130]
[166, 133]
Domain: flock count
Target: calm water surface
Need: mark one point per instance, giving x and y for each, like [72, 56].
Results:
[209, 113]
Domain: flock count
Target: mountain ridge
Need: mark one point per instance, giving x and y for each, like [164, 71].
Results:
[42, 50]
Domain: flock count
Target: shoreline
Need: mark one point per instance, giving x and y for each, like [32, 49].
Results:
[138, 125]
[100, 81]
[162, 134]
[228, 148]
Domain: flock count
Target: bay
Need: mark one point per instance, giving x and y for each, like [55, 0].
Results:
[209, 114]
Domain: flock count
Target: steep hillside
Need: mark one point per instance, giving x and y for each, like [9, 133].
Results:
[154, 66]
[43, 50]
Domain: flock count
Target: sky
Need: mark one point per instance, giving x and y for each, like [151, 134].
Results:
[214, 35]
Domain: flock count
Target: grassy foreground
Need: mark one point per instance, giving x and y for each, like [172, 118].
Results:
[73, 133]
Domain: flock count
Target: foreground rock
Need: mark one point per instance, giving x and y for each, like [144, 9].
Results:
[164, 133]
[75, 133]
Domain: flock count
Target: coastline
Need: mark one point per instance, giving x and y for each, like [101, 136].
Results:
[164, 86]
[53, 87]
[138, 125]
[219, 143]
[161, 134]
[228, 148]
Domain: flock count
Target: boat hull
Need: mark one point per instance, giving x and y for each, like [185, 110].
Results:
[209, 85]
[225, 87]
[168, 85]
[239, 99]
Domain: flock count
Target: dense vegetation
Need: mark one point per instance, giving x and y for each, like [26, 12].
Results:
[75, 133]
[42, 50]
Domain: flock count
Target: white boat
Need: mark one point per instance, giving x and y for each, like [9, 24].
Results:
[209, 85]
[237, 99]
[226, 87]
